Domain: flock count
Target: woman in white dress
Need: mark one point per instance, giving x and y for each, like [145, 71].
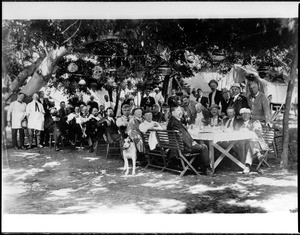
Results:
[35, 113]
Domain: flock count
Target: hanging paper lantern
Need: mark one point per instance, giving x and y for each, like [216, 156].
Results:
[65, 76]
[82, 82]
[97, 71]
[72, 67]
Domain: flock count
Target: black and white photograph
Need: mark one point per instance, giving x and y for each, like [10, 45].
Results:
[150, 117]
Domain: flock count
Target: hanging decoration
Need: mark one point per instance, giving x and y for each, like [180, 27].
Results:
[97, 71]
[194, 61]
[72, 67]
[82, 82]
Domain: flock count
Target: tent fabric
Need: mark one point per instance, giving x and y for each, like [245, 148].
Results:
[201, 80]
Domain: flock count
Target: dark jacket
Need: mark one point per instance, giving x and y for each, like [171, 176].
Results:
[175, 124]
[157, 117]
[218, 98]
[225, 104]
[147, 102]
[240, 102]
[203, 101]
[236, 122]
[207, 120]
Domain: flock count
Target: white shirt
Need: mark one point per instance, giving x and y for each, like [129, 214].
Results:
[231, 124]
[145, 126]
[122, 121]
[35, 115]
[16, 113]
[235, 97]
[213, 98]
[159, 98]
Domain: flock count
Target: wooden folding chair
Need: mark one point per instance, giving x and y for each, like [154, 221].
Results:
[268, 136]
[156, 157]
[172, 140]
[112, 147]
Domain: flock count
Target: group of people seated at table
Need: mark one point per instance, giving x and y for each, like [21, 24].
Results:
[230, 109]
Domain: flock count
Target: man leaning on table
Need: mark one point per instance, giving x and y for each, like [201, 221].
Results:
[202, 161]
[254, 147]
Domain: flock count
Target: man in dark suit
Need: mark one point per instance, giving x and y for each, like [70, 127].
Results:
[202, 99]
[225, 102]
[147, 101]
[47, 104]
[190, 145]
[231, 122]
[237, 101]
[92, 103]
[215, 96]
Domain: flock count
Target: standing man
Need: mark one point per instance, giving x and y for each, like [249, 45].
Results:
[35, 113]
[147, 101]
[202, 161]
[258, 104]
[201, 99]
[226, 100]
[47, 104]
[158, 97]
[238, 101]
[92, 103]
[215, 96]
[15, 115]
[189, 107]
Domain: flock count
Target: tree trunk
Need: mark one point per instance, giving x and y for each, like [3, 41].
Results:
[117, 99]
[20, 79]
[284, 156]
[44, 72]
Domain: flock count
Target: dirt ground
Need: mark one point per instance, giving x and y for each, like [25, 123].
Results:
[77, 182]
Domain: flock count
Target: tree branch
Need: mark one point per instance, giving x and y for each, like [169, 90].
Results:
[69, 27]
[73, 33]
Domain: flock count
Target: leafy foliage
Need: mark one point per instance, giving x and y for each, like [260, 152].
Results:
[138, 48]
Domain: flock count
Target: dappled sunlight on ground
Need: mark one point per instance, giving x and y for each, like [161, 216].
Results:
[69, 182]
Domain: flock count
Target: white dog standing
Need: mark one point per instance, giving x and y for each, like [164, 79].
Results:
[129, 152]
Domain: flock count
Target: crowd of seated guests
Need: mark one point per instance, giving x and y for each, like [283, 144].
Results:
[78, 123]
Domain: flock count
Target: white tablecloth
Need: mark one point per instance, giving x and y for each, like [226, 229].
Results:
[219, 136]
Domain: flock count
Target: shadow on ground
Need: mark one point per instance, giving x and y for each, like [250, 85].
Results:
[78, 182]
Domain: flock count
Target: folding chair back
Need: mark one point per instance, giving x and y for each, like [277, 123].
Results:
[156, 157]
[268, 136]
[172, 140]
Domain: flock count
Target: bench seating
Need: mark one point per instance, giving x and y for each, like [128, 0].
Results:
[169, 149]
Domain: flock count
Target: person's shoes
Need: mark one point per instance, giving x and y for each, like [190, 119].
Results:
[40, 146]
[246, 170]
[91, 149]
[57, 148]
[205, 171]
[260, 157]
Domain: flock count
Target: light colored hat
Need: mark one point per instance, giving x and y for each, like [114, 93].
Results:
[236, 85]
[214, 106]
[245, 110]
[224, 90]
[156, 89]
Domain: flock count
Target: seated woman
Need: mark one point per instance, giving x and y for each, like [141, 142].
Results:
[133, 128]
[92, 129]
[109, 124]
[202, 114]
[74, 125]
